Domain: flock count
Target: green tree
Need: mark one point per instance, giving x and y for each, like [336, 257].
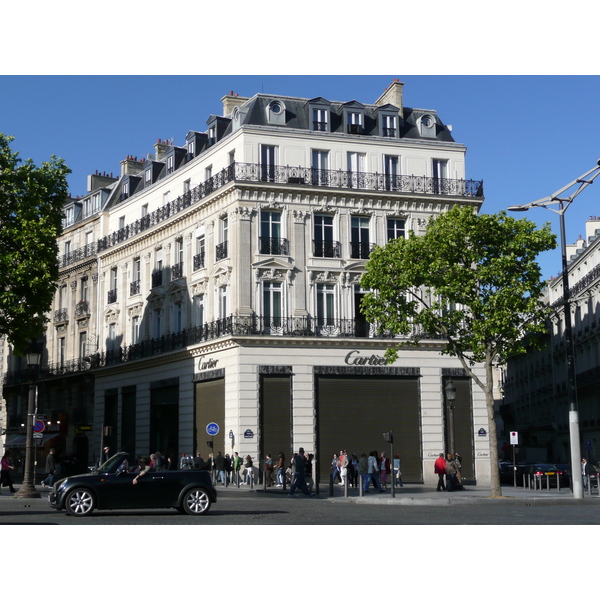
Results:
[471, 279]
[31, 205]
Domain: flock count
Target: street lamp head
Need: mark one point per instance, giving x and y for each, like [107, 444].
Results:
[33, 354]
[518, 208]
[450, 391]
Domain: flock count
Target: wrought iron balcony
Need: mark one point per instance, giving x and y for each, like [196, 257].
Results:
[274, 246]
[327, 249]
[76, 255]
[82, 308]
[361, 249]
[199, 261]
[286, 175]
[61, 316]
[221, 251]
[177, 271]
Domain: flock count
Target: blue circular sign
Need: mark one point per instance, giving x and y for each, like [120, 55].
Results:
[212, 429]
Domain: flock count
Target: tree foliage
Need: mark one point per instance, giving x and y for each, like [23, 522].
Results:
[31, 204]
[471, 279]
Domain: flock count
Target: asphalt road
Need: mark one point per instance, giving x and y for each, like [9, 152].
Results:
[251, 508]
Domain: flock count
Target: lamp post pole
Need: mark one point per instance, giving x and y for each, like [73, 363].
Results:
[563, 204]
[27, 489]
[450, 398]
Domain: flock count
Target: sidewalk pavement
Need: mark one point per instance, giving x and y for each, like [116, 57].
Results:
[426, 495]
[408, 495]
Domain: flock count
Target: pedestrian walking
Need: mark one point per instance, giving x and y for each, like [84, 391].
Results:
[281, 470]
[373, 472]
[343, 466]
[384, 470]
[451, 483]
[299, 479]
[439, 468]
[6, 467]
[363, 470]
[220, 468]
[310, 482]
[398, 471]
[335, 468]
[50, 469]
[269, 471]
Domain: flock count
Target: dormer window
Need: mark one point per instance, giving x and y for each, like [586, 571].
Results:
[389, 126]
[125, 190]
[276, 112]
[354, 117]
[212, 136]
[427, 126]
[170, 164]
[320, 119]
[147, 177]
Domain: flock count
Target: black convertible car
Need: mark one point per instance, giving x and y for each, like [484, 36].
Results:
[110, 486]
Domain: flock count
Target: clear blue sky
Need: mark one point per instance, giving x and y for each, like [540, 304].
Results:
[526, 136]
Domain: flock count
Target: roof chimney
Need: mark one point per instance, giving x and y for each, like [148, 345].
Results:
[392, 95]
[230, 102]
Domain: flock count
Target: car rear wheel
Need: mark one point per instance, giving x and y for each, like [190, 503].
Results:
[80, 503]
[196, 502]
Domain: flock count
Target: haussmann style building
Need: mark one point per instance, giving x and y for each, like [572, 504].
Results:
[219, 282]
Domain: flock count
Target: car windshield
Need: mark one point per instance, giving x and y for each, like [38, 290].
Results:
[110, 466]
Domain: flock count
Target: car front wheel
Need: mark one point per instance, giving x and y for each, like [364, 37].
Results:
[80, 503]
[196, 502]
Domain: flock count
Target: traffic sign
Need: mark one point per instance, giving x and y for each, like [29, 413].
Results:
[38, 436]
[39, 426]
[212, 429]
[514, 438]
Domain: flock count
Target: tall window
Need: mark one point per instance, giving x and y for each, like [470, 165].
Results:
[112, 292]
[112, 336]
[356, 166]
[396, 228]
[270, 232]
[272, 308]
[82, 344]
[360, 246]
[198, 309]
[223, 304]
[62, 349]
[267, 163]
[390, 169]
[136, 275]
[178, 317]
[135, 330]
[440, 173]
[325, 304]
[222, 250]
[178, 264]
[324, 244]
[320, 164]
[156, 325]
[199, 257]
[84, 289]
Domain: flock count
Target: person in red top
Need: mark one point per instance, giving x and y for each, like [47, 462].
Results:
[439, 469]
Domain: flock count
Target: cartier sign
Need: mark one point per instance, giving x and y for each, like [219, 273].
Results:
[355, 358]
[207, 363]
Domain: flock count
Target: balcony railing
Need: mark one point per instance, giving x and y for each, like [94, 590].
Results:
[177, 271]
[274, 246]
[252, 172]
[199, 261]
[82, 308]
[327, 249]
[232, 325]
[221, 251]
[61, 315]
[76, 255]
[361, 249]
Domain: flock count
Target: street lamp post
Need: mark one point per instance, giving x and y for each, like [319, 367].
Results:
[450, 398]
[27, 490]
[550, 202]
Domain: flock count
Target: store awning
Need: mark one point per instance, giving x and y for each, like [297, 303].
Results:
[16, 440]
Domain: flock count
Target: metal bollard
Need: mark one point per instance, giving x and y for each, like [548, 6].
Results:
[346, 486]
[361, 486]
[331, 485]
[252, 479]
[547, 482]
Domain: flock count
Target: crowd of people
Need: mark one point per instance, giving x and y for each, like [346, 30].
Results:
[372, 469]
